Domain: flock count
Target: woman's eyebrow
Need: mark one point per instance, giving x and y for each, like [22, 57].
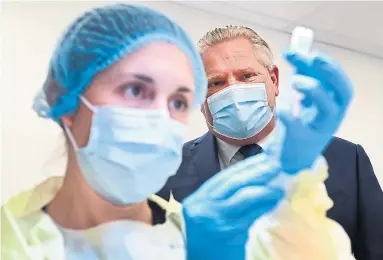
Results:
[145, 78]
[184, 89]
[118, 76]
[150, 80]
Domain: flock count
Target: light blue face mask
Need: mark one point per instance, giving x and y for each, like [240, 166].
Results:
[240, 111]
[131, 152]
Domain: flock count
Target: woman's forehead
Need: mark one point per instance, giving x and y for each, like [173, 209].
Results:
[153, 59]
[162, 64]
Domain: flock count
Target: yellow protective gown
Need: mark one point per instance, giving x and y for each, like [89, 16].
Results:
[28, 233]
[297, 229]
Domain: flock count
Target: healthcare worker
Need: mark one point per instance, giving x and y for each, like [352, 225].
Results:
[121, 84]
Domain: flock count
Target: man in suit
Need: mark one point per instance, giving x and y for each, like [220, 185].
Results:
[235, 55]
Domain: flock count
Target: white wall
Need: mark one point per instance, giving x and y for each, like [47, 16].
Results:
[28, 39]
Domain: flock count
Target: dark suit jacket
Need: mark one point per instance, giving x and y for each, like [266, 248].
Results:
[352, 185]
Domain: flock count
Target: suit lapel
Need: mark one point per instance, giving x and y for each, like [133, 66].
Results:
[205, 157]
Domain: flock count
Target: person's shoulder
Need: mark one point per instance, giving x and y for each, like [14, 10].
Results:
[340, 150]
[340, 143]
[205, 137]
[195, 141]
[34, 199]
[190, 144]
[23, 219]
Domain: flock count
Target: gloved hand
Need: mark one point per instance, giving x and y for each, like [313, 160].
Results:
[219, 214]
[328, 90]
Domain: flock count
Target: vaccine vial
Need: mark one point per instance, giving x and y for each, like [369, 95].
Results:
[301, 42]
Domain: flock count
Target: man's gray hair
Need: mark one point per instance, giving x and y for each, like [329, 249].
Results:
[230, 32]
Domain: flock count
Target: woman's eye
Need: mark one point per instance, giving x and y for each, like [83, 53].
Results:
[178, 105]
[134, 91]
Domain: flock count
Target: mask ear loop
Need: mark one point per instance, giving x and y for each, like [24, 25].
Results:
[69, 132]
[204, 110]
[71, 137]
[88, 104]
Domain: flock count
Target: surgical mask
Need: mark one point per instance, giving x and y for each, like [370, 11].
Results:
[131, 152]
[240, 111]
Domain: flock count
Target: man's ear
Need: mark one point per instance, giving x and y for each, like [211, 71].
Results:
[274, 75]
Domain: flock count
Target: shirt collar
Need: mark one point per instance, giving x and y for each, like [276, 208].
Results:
[227, 151]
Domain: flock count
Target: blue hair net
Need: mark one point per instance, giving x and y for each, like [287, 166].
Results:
[99, 38]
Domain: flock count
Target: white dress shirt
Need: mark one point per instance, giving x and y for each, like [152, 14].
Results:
[228, 154]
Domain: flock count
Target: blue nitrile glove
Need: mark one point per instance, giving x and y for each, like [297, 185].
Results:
[327, 90]
[219, 214]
